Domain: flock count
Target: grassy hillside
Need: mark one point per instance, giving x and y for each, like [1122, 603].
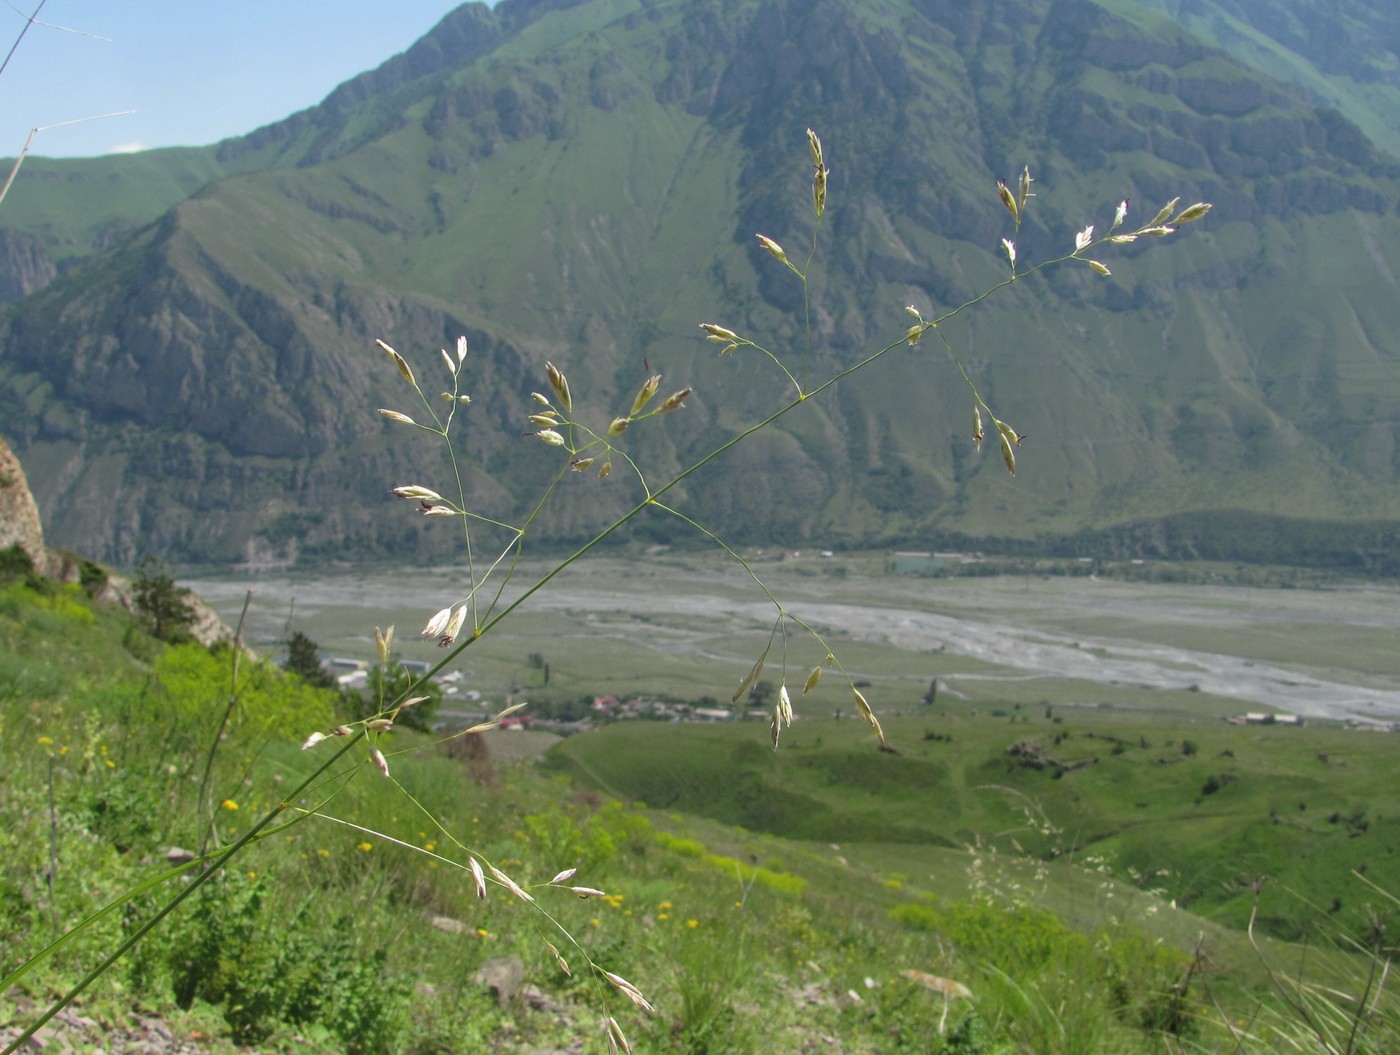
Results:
[1223, 820]
[359, 930]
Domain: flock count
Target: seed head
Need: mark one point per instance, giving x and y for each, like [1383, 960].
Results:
[674, 401]
[551, 437]
[718, 334]
[1120, 215]
[1007, 199]
[814, 146]
[461, 348]
[394, 415]
[1083, 238]
[438, 623]
[868, 714]
[1024, 190]
[1192, 213]
[1100, 268]
[477, 878]
[510, 884]
[312, 741]
[563, 964]
[617, 1040]
[1008, 455]
[380, 762]
[568, 873]
[605, 470]
[773, 248]
[399, 362]
[454, 627]
[1010, 248]
[1166, 211]
[383, 642]
[578, 465]
[618, 426]
[414, 491]
[977, 433]
[644, 395]
[812, 680]
[819, 191]
[379, 725]
[630, 991]
[560, 384]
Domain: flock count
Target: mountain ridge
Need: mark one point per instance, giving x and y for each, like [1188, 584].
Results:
[586, 189]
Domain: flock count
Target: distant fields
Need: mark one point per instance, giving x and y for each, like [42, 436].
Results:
[1202, 812]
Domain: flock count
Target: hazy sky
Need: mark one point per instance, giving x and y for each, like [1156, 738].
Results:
[196, 71]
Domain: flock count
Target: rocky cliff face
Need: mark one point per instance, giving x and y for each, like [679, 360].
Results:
[19, 516]
[20, 523]
[24, 266]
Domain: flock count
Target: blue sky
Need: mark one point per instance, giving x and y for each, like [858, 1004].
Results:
[196, 71]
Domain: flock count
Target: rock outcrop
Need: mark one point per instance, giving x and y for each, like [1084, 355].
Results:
[20, 523]
[19, 516]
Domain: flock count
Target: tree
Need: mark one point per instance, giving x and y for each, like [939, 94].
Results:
[165, 605]
[304, 660]
[761, 694]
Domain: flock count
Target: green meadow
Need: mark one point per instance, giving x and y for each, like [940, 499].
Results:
[1010, 877]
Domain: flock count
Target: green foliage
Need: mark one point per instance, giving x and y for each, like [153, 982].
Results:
[239, 949]
[165, 606]
[192, 686]
[304, 660]
[15, 562]
[92, 577]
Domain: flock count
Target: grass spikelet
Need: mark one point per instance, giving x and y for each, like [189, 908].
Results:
[510, 884]
[674, 401]
[1166, 211]
[400, 362]
[559, 959]
[560, 384]
[630, 991]
[863, 706]
[617, 1040]
[753, 675]
[644, 395]
[478, 878]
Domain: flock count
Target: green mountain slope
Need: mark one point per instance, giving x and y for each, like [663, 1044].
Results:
[581, 183]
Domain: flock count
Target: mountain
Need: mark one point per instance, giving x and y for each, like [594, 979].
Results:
[193, 374]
